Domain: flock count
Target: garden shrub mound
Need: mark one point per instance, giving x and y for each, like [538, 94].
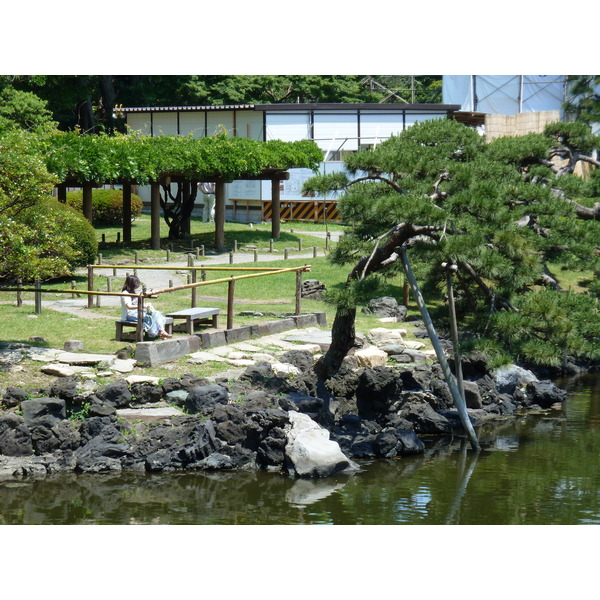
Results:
[107, 206]
[371, 412]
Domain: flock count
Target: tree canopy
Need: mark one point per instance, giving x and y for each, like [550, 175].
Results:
[506, 213]
[88, 101]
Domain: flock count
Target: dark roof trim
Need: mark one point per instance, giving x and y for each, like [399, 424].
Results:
[393, 107]
[130, 109]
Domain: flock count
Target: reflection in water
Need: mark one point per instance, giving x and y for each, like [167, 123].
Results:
[309, 491]
[534, 470]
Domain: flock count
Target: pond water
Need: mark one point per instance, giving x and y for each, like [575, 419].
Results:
[535, 470]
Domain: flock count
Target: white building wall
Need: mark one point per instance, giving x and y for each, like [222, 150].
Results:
[191, 123]
[249, 124]
[164, 124]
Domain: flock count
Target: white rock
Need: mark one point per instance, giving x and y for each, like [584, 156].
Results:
[413, 345]
[388, 320]
[284, 369]
[264, 357]
[242, 362]
[62, 370]
[141, 379]
[371, 357]
[381, 336]
[311, 451]
[238, 356]
[123, 365]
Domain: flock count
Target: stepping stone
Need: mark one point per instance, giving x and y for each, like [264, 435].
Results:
[62, 370]
[240, 362]
[202, 357]
[123, 365]
[76, 358]
[244, 347]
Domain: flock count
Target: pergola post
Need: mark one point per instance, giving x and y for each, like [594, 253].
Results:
[154, 216]
[87, 201]
[127, 213]
[61, 193]
[276, 209]
[186, 226]
[220, 215]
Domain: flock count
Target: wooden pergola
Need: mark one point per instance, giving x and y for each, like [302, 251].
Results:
[273, 175]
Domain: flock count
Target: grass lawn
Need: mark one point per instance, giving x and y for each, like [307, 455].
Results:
[203, 234]
[272, 294]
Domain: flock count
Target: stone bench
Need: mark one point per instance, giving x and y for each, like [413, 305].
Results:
[120, 324]
[191, 315]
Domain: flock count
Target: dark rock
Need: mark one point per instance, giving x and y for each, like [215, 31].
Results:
[99, 408]
[15, 437]
[408, 442]
[205, 397]
[116, 393]
[417, 378]
[65, 388]
[43, 412]
[302, 359]
[312, 289]
[545, 393]
[200, 441]
[424, 418]
[102, 453]
[301, 403]
[216, 462]
[258, 373]
[362, 447]
[145, 393]
[271, 450]
[377, 387]
[386, 306]
[14, 396]
[472, 396]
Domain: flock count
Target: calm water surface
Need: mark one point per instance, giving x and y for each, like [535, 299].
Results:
[541, 469]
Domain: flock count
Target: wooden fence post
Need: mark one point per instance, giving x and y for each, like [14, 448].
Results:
[298, 291]
[90, 300]
[38, 297]
[230, 293]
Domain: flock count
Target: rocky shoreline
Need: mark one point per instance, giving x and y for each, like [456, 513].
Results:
[281, 421]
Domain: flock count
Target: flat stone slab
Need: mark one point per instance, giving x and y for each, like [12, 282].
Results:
[82, 358]
[245, 347]
[62, 370]
[202, 357]
[149, 414]
[320, 338]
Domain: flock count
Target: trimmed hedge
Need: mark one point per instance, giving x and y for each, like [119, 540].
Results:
[107, 206]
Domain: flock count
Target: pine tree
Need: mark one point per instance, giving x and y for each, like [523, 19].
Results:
[505, 213]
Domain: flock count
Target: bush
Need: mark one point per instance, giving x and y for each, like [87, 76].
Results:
[107, 206]
[45, 242]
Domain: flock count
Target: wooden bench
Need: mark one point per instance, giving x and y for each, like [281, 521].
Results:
[196, 314]
[120, 324]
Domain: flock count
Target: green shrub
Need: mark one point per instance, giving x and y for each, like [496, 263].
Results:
[45, 242]
[107, 206]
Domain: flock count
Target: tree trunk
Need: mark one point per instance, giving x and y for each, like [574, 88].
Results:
[343, 329]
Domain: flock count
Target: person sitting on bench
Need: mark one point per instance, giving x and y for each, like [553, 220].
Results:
[154, 321]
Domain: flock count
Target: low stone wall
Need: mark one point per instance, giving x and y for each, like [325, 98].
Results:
[155, 353]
